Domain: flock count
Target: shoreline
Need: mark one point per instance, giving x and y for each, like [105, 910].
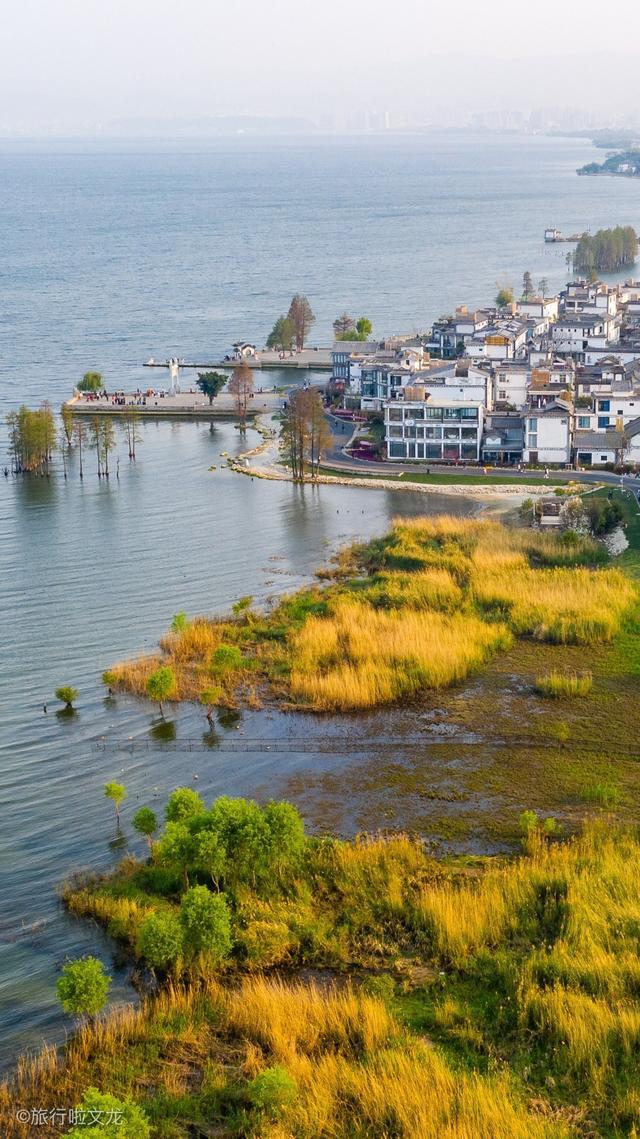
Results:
[273, 470]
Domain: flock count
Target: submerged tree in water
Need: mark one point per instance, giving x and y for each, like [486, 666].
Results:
[32, 439]
[67, 695]
[117, 793]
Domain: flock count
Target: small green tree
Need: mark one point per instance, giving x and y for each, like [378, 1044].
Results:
[67, 695]
[177, 849]
[184, 803]
[543, 287]
[364, 328]
[179, 623]
[146, 824]
[272, 1091]
[504, 296]
[282, 335]
[100, 1115]
[161, 685]
[527, 286]
[83, 987]
[91, 382]
[211, 384]
[211, 855]
[287, 839]
[117, 793]
[66, 416]
[209, 698]
[206, 923]
[246, 836]
[160, 939]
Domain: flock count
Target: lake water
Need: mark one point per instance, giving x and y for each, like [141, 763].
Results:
[109, 255]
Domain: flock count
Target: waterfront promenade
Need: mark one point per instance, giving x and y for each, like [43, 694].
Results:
[191, 404]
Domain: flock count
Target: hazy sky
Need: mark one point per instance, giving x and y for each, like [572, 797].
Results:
[80, 63]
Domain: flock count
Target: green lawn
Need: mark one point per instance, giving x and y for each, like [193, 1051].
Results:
[439, 479]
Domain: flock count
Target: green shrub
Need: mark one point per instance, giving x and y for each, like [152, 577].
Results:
[67, 695]
[160, 939]
[224, 659]
[272, 1091]
[381, 986]
[528, 822]
[206, 923]
[102, 1116]
[184, 803]
[83, 986]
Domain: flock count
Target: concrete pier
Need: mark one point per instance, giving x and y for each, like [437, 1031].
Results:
[309, 359]
[188, 405]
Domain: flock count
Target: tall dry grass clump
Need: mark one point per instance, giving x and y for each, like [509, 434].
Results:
[358, 657]
[194, 642]
[288, 1019]
[559, 685]
[564, 606]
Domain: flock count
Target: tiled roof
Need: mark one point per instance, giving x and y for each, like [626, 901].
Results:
[598, 440]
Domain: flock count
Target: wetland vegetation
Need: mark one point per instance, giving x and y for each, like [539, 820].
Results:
[419, 609]
[308, 986]
[471, 997]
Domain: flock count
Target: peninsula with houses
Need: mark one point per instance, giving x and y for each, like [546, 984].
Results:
[542, 381]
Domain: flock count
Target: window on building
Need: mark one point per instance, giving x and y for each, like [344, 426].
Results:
[603, 458]
[603, 421]
[533, 425]
[502, 394]
[396, 451]
[395, 413]
[532, 442]
[395, 432]
[583, 421]
[604, 405]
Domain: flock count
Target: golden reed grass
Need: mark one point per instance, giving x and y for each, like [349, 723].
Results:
[443, 595]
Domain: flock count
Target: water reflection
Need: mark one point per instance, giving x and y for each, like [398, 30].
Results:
[163, 731]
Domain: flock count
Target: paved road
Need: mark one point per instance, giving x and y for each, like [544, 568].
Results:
[341, 433]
